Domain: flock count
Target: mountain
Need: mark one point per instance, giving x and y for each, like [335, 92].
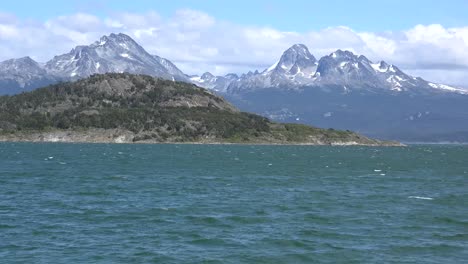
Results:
[298, 68]
[113, 53]
[138, 108]
[23, 74]
[171, 68]
[346, 69]
[346, 91]
[216, 83]
[294, 68]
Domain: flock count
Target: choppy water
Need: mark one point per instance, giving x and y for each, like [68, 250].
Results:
[85, 203]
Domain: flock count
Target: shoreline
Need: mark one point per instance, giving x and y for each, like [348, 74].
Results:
[202, 143]
[102, 136]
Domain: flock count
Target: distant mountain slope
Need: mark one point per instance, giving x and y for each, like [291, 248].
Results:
[114, 53]
[172, 68]
[138, 108]
[217, 83]
[23, 74]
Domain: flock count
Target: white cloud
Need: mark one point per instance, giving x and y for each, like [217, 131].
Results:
[6, 18]
[82, 23]
[198, 42]
[456, 77]
[133, 21]
[8, 32]
[192, 19]
[378, 45]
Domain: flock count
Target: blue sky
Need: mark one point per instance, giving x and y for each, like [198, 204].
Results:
[423, 37]
[299, 15]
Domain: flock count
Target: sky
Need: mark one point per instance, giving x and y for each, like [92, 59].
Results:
[425, 38]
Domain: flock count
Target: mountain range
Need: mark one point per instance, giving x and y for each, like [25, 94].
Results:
[114, 53]
[298, 68]
[340, 90]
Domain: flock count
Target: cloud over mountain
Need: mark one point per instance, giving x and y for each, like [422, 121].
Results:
[197, 41]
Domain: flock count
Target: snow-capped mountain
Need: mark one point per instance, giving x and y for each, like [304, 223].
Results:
[295, 68]
[16, 66]
[345, 69]
[113, 53]
[22, 74]
[296, 63]
[298, 68]
[217, 83]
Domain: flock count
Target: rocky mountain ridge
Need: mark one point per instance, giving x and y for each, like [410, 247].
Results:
[298, 68]
[116, 53]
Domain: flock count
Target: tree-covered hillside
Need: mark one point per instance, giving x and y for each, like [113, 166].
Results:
[148, 109]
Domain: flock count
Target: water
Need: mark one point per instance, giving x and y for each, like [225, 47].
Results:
[85, 203]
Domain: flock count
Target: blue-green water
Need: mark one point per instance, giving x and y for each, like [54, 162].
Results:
[85, 203]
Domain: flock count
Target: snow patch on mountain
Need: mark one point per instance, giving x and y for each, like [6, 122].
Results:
[448, 88]
[272, 67]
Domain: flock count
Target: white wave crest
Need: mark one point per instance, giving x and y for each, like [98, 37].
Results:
[420, 197]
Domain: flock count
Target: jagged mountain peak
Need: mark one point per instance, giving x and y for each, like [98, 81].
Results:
[232, 76]
[295, 58]
[120, 36]
[250, 73]
[343, 55]
[347, 55]
[24, 64]
[112, 53]
[22, 74]
[116, 39]
[217, 83]
[300, 50]
[383, 65]
[363, 58]
[207, 75]
[23, 61]
[339, 60]
[346, 60]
